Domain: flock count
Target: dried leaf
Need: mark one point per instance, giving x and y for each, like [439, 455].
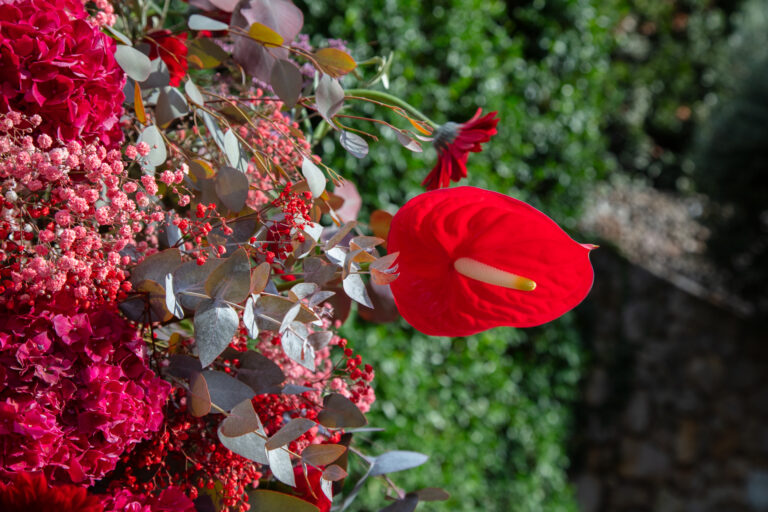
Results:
[385, 262]
[203, 53]
[382, 278]
[264, 34]
[199, 398]
[380, 222]
[334, 62]
[420, 126]
[138, 104]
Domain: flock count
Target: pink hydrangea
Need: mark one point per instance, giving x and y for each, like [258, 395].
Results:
[169, 500]
[75, 392]
[59, 66]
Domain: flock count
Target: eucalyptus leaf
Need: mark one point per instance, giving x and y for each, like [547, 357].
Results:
[199, 398]
[314, 176]
[189, 278]
[393, 461]
[264, 499]
[322, 454]
[250, 446]
[155, 266]
[354, 287]
[171, 105]
[226, 391]
[407, 504]
[232, 188]
[354, 144]
[214, 129]
[286, 81]
[281, 467]
[159, 75]
[259, 372]
[339, 412]
[249, 320]
[170, 298]
[234, 152]
[157, 152]
[199, 22]
[298, 349]
[193, 93]
[241, 420]
[215, 325]
[320, 340]
[329, 97]
[135, 64]
[231, 280]
[289, 432]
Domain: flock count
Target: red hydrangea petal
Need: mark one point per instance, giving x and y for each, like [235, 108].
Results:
[436, 228]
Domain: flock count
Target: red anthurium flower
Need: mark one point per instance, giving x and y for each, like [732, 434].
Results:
[172, 49]
[27, 492]
[471, 259]
[311, 491]
[454, 142]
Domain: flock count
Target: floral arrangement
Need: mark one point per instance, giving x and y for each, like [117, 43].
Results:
[176, 259]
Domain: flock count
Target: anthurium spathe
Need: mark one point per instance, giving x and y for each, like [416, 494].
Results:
[472, 259]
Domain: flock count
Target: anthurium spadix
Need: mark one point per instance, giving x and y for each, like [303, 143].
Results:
[472, 259]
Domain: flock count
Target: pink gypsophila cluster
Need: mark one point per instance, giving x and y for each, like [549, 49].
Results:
[75, 393]
[66, 213]
[56, 64]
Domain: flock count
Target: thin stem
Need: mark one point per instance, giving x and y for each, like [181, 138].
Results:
[387, 98]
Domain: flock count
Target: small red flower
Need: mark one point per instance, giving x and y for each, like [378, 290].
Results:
[311, 491]
[173, 50]
[454, 142]
[471, 259]
[28, 492]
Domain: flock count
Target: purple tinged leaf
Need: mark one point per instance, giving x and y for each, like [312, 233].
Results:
[225, 391]
[339, 412]
[263, 499]
[298, 349]
[249, 320]
[407, 504]
[322, 454]
[259, 372]
[329, 97]
[224, 5]
[170, 105]
[170, 298]
[289, 432]
[232, 188]
[241, 420]
[354, 144]
[231, 280]
[281, 16]
[320, 340]
[183, 366]
[190, 277]
[156, 266]
[286, 81]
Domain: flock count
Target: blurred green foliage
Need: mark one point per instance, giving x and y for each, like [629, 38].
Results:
[491, 410]
[542, 66]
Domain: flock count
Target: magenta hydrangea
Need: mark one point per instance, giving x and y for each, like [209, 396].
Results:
[75, 393]
[55, 63]
[169, 500]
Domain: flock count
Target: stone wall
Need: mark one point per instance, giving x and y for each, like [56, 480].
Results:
[674, 414]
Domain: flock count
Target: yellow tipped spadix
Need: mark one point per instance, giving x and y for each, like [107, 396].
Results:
[491, 275]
